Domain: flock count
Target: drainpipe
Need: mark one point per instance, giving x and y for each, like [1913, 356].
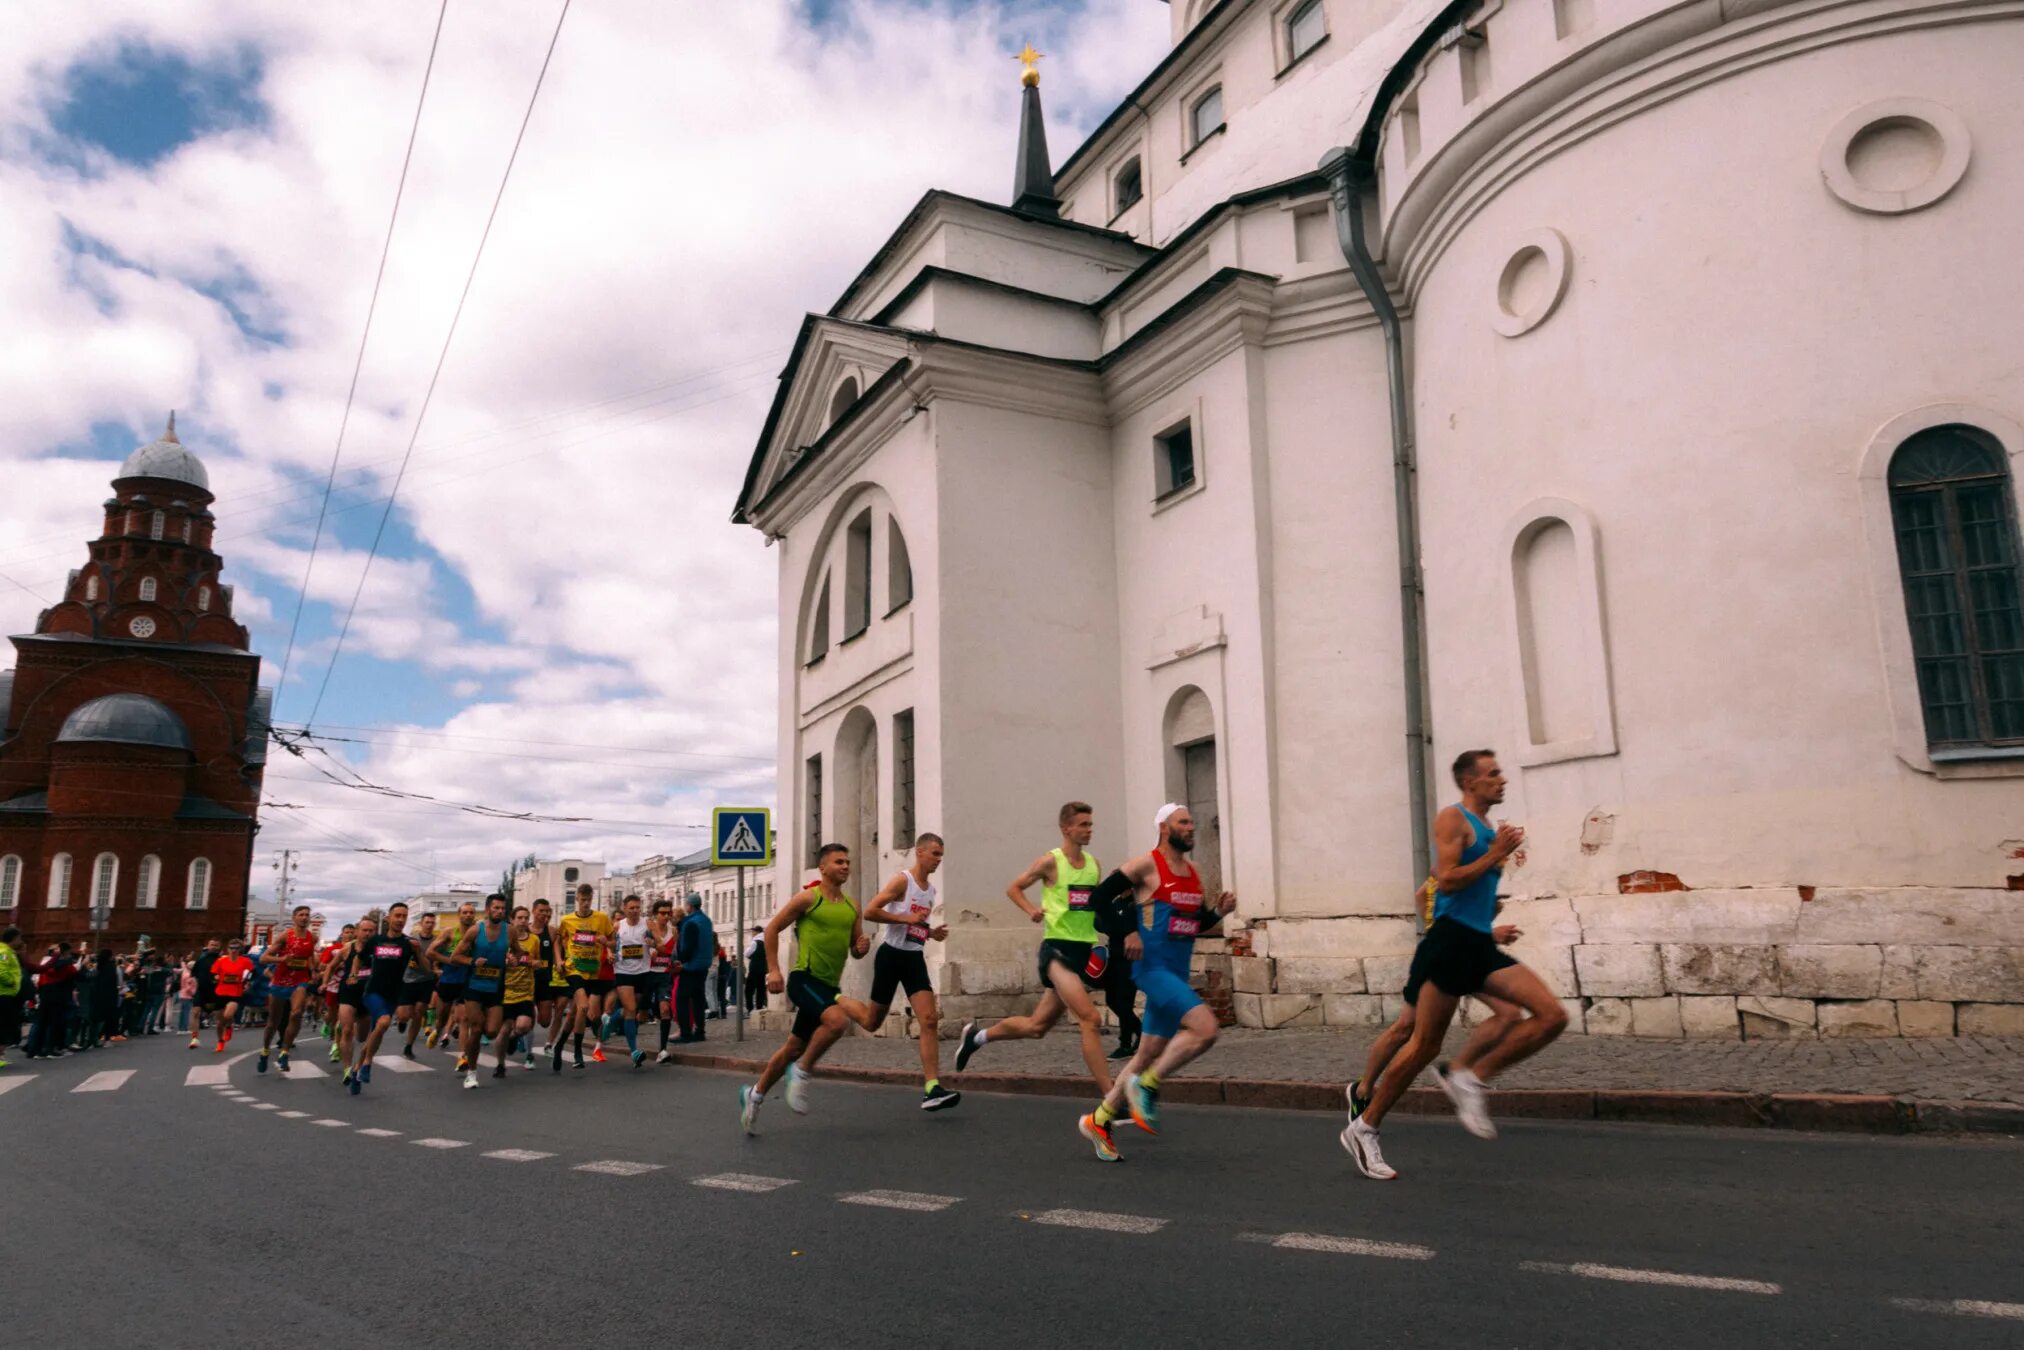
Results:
[1351, 182]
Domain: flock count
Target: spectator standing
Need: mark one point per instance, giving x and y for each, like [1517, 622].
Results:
[54, 975]
[11, 996]
[726, 973]
[154, 993]
[102, 1010]
[755, 972]
[694, 950]
[186, 990]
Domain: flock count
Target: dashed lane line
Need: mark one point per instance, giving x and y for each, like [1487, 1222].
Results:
[7, 1085]
[330, 1123]
[377, 1133]
[301, 1068]
[1962, 1307]
[1100, 1221]
[213, 1075]
[1342, 1246]
[918, 1201]
[616, 1167]
[522, 1155]
[401, 1064]
[440, 1143]
[105, 1080]
[294, 1115]
[742, 1181]
[266, 1106]
[1590, 1270]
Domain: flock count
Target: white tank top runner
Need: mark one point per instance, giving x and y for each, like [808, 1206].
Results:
[919, 903]
[633, 952]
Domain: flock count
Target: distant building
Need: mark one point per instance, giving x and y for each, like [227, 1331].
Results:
[556, 882]
[133, 731]
[444, 902]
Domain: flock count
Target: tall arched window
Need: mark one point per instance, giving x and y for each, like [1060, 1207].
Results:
[203, 599]
[187, 525]
[147, 588]
[91, 587]
[899, 567]
[148, 882]
[198, 896]
[1953, 511]
[104, 880]
[59, 881]
[158, 524]
[10, 880]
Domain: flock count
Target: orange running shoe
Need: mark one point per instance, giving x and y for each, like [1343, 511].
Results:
[597, 1053]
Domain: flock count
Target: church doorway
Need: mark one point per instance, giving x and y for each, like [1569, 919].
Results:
[1192, 778]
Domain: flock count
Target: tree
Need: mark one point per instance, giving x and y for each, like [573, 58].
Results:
[513, 870]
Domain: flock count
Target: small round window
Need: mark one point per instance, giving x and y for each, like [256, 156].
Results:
[569, 874]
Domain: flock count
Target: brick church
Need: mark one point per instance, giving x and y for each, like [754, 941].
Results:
[135, 731]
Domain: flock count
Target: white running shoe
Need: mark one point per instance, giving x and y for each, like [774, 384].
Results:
[664, 1057]
[797, 1090]
[1466, 1091]
[470, 1078]
[1361, 1141]
[748, 1110]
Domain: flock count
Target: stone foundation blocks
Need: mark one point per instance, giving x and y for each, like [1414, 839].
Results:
[1704, 968]
[1251, 974]
[1386, 974]
[1777, 1018]
[1709, 1017]
[1656, 1017]
[1830, 971]
[1864, 1017]
[1319, 975]
[1608, 1017]
[1970, 974]
[1619, 970]
[1991, 1019]
[1353, 1010]
[1917, 1018]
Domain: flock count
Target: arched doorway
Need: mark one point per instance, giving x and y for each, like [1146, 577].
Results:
[1190, 737]
[857, 822]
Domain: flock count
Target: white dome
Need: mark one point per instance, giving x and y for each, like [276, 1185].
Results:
[167, 458]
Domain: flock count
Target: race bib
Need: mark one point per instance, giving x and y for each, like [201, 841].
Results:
[1184, 925]
[632, 951]
[917, 932]
[1078, 897]
[488, 972]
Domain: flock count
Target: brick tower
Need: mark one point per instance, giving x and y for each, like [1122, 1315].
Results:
[135, 731]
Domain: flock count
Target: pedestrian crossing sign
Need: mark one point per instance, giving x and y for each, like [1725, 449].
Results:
[741, 836]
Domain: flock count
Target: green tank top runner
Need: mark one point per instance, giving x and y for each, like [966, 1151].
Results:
[1065, 904]
[823, 937]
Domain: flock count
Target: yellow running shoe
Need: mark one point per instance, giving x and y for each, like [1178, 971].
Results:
[1099, 1135]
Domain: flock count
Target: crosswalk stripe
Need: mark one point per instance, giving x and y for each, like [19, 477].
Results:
[1099, 1220]
[380, 1134]
[518, 1155]
[1592, 1271]
[399, 1064]
[1345, 1246]
[295, 1115]
[742, 1181]
[1963, 1307]
[7, 1085]
[212, 1075]
[329, 1123]
[265, 1106]
[614, 1167]
[301, 1068]
[914, 1200]
[440, 1143]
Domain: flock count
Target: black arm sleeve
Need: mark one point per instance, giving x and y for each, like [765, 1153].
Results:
[1111, 904]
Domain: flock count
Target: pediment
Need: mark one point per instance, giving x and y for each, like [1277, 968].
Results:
[830, 357]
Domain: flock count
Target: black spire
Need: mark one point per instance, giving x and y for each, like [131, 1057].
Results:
[1033, 174]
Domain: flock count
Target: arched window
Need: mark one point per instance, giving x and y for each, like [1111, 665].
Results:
[148, 882]
[10, 880]
[840, 401]
[198, 896]
[899, 567]
[857, 576]
[158, 524]
[59, 881]
[203, 599]
[818, 624]
[1953, 511]
[147, 588]
[104, 880]
[91, 587]
[188, 525]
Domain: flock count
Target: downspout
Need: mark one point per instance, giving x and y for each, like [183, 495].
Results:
[1351, 182]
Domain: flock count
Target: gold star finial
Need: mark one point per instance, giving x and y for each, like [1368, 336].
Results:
[1030, 77]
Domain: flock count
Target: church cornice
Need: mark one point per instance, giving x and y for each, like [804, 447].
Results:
[1229, 309]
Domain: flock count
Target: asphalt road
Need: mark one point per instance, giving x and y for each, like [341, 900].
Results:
[283, 1211]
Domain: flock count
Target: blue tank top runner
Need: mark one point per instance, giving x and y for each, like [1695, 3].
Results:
[488, 966]
[1475, 905]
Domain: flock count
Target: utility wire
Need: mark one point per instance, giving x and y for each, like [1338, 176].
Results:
[358, 361]
[448, 337]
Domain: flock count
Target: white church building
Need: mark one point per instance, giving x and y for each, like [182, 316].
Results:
[1629, 386]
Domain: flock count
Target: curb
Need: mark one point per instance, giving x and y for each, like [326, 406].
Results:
[1826, 1111]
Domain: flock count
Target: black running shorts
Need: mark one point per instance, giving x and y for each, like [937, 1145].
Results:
[811, 999]
[1074, 955]
[1457, 958]
[484, 998]
[895, 968]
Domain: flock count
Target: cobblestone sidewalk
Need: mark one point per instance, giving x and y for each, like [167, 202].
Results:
[1959, 1069]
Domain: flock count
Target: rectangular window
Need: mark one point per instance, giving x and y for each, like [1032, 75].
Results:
[1174, 460]
[1305, 30]
[1130, 184]
[812, 832]
[1475, 56]
[199, 895]
[59, 881]
[1207, 118]
[147, 882]
[857, 577]
[104, 882]
[903, 777]
[1409, 127]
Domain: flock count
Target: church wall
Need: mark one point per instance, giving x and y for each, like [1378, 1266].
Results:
[1731, 340]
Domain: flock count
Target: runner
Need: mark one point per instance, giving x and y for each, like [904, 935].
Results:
[450, 977]
[524, 970]
[632, 966]
[661, 990]
[206, 986]
[905, 905]
[1503, 1016]
[551, 984]
[829, 931]
[292, 953]
[1458, 957]
[386, 958]
[418, 984]
[1169, 913]
[485, 947]
[1072, 954]
[584, 938]
[354, 965]
[328, 975]
[229, 976]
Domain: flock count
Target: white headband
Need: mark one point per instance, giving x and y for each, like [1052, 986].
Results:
[1166, 812]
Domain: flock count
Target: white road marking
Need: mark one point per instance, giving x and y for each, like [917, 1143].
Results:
[914, 1200]
[7, 1085]
[294, 1115]
[265, 1106]
[1098, 1219]
[212, 1075]
[518, 1155]
[379, 1134]
[400, 1064]
[440, 1143]
[615, 1167]
[105, 1080]
[332, 1124]
[1345, 1246]
[301, 1068]
[235, 1096]
[742, 1181]
[1962, 1307]
[1590, 1270]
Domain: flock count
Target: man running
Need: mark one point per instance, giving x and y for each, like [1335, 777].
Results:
[524, 972]
[661, 987]
[632, 967]
[828, 931]
[229, 976]
[328, 976]
[484, 949]
[584, 938]
[354, 967]
[551, 984]
[906, 905]
[1069, 943]
[206, 985]
[418, 985]
[450, 976]
[1169, 912]
[387, 958]
[1458, 957]
[292, 954]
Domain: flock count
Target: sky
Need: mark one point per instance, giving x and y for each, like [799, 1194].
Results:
[559, 619]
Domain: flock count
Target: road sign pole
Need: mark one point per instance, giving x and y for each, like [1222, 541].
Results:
[739, 967]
